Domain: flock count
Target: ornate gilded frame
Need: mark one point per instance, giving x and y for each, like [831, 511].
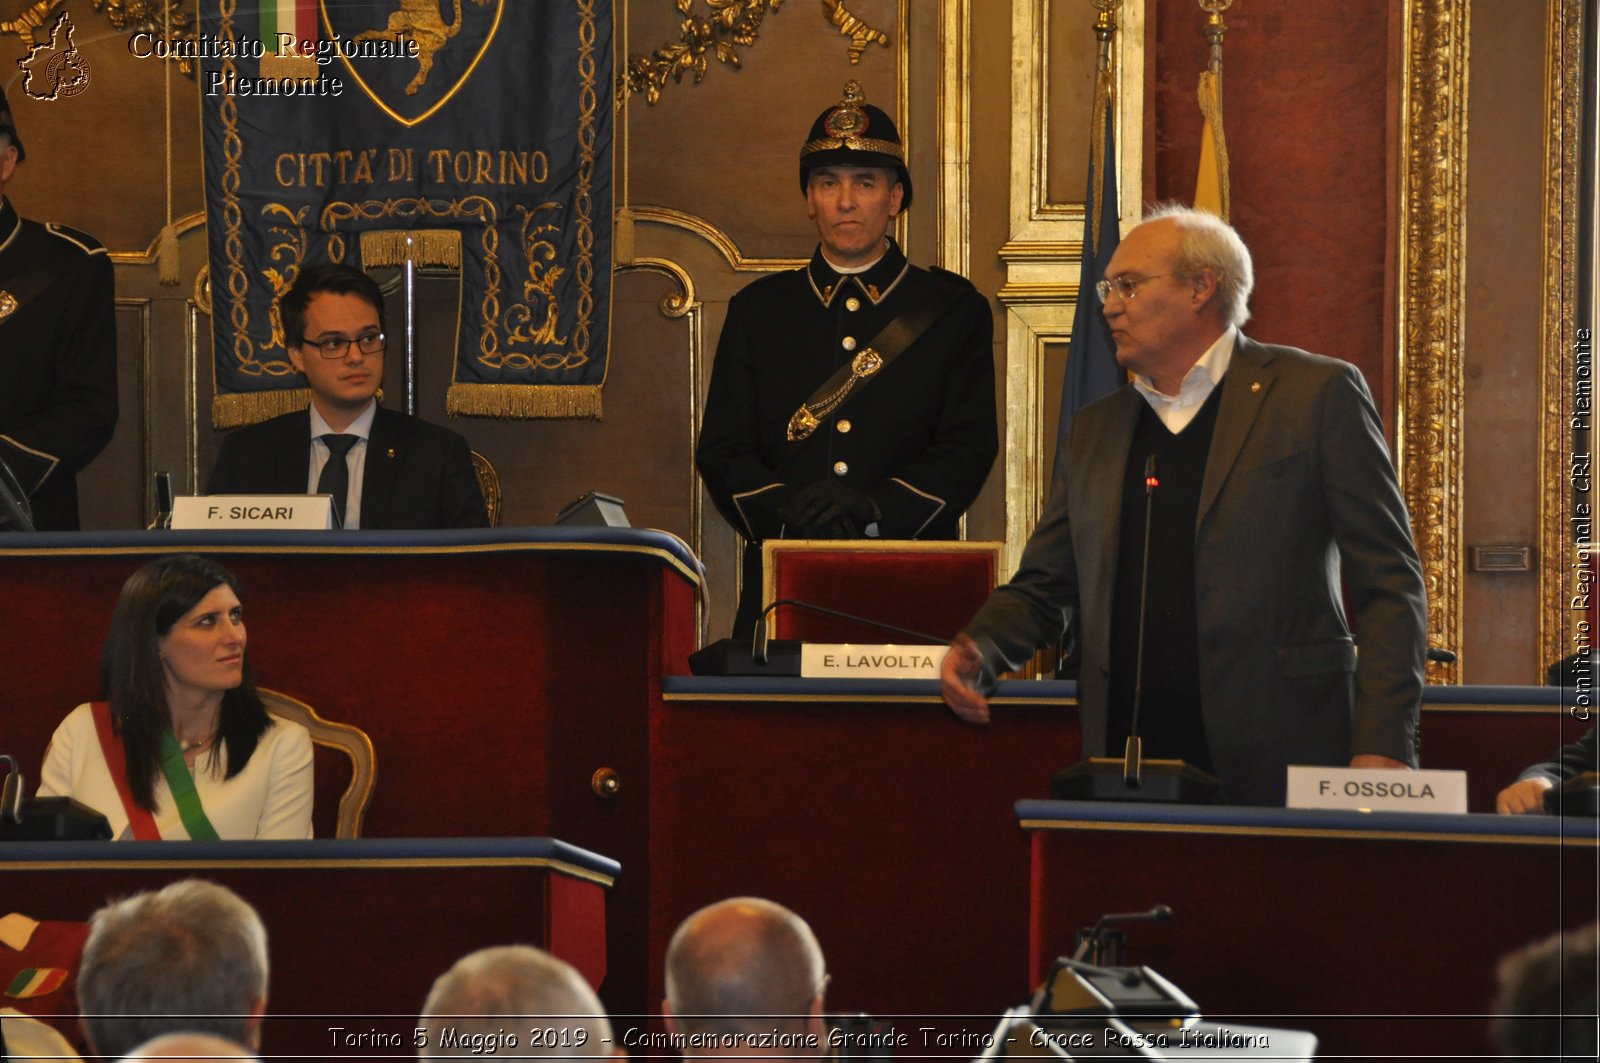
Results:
[1562, 160]
[1430, 263]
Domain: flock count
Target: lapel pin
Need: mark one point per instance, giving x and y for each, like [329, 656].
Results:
[391, 449]
[1255, 386]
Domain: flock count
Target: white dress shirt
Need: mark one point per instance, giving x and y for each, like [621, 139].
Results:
[356, 459]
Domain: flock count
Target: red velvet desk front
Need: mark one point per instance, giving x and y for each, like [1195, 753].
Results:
[1378, 932]
[495, 671]
[357, 930]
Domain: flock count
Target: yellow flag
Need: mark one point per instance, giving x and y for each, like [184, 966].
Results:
[1211, 183]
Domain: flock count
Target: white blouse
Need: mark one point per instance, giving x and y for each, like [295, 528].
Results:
[270, 798]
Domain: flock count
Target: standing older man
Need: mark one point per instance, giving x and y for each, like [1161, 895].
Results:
[58, 352]
[855, 397]
[1275, 489]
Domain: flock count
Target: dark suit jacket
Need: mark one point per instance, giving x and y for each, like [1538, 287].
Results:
[418, 475]
[1298, 491]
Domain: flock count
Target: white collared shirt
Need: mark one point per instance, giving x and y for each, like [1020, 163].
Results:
[1176, 411]
[356, 460]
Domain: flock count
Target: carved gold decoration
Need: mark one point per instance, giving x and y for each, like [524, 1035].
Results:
[1559, 552]
[1431, 265]
[859, 32]
[168, 19]
[730, 25]
[30, 19]
[954, 145]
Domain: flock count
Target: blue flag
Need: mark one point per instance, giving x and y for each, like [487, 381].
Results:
[377, 133]
[1092, 369]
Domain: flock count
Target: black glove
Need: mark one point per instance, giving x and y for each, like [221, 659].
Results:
[828, 509]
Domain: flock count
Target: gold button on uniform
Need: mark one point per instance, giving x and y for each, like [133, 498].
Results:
[848, 343]
[840, 468]
[852, 303]
[844, 425]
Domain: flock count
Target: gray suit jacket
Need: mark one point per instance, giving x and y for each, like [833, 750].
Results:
[1298, 492]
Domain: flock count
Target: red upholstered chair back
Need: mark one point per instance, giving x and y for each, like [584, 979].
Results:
[932, 587]
[343, 763]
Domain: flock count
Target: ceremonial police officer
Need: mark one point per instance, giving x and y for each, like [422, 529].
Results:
[58, 351]
[854, 397]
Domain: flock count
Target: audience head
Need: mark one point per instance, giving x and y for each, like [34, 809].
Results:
[188, 958]
[189, 1048]
[1549, 1000]
[495, 991]
[745, 965]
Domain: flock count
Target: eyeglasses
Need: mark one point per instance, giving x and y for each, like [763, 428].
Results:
[1124, 285]
[339, 347]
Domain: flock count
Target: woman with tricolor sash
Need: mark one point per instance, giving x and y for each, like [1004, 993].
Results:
[182, 746]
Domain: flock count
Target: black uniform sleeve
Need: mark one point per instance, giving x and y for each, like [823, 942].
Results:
[64, 432]
[746, 491]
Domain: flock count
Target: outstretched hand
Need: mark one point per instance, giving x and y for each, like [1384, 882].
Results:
[958, 679]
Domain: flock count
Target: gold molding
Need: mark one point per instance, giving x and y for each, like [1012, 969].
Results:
[954, 138]
[1431, 314]
[1045, 239]
[1563, 144]
[677, 306]
[146, 257]
[698, 226]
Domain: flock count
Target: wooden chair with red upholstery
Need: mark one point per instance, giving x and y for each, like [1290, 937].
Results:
[343, 763]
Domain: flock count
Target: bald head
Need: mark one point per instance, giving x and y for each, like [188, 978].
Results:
[490, 994]
[189, 1048]
[744, 964]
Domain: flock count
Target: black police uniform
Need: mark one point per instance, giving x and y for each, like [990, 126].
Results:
[919, 438]
[58, 352]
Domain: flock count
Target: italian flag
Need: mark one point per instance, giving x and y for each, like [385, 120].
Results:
[35, 982]
[298, 18]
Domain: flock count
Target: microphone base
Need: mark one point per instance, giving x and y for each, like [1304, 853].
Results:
[734, 657]
[56, 819]
[1172, 782]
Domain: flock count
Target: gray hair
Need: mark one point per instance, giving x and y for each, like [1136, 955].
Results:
[191, 957]
[742, 965]
[1209, 243]
[189, 1048]
[467, 1007]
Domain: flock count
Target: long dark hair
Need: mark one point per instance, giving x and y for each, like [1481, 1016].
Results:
[133, 681]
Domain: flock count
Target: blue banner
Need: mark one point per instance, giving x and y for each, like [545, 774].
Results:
[467, 133]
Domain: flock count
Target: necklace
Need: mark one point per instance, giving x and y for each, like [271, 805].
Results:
[195, 745]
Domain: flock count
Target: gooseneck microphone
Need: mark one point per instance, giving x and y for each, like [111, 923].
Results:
[758, 645]
[1133, 752]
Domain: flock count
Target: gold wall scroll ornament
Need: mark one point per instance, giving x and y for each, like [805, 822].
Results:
[169, 20]
[719, 33]
[31, 18]
[1566, 534]
[729, 26]
[859, 32]
[1431, 319]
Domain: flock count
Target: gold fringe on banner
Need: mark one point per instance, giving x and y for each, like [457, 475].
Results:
[425, 247]
[524, 401]
[250, 407]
